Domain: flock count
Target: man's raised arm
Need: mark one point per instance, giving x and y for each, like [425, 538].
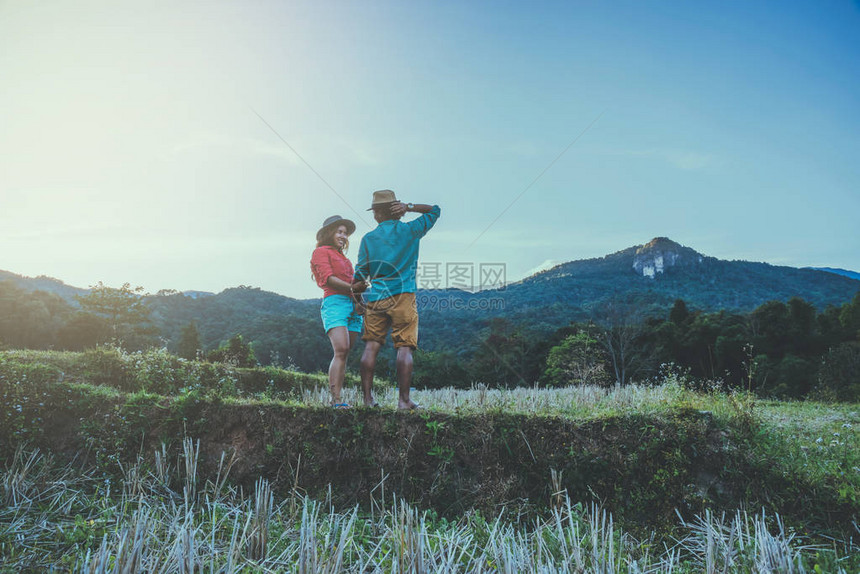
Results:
[420, 226]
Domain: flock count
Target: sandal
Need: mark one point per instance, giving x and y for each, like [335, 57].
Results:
[341, 406]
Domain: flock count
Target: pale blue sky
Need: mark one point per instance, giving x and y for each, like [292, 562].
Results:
[130, 150]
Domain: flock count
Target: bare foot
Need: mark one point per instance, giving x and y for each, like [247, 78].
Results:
[370, 402]
[408, 406]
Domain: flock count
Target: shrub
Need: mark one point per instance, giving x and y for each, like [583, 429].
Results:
[108, 366]
[22, 384]
[274, 381]
[236, 352]
[794, 375]
[157, 371]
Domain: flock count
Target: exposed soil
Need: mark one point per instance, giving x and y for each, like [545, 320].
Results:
[642, 468]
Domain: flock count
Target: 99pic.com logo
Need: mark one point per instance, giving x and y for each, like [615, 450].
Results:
[435, 301]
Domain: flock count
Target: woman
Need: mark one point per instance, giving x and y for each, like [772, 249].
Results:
[333, 273]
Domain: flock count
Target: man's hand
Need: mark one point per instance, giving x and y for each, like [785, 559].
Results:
[358, 305]
[356, 289]
[398, 209]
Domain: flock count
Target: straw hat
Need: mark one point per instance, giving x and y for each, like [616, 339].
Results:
[335, 220]
[382, 197]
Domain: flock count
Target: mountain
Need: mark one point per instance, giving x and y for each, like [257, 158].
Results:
[269, 320]
[643, 280]
[659, 254]
[663, 270]
[43, 283]
[843, 272]
[197, 294]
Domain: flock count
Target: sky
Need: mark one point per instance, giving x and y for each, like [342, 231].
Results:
[200, 145]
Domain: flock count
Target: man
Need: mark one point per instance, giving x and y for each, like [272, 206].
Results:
[388, 258]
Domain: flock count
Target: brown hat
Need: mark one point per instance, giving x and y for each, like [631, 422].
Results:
[336, 220]
[382, 197]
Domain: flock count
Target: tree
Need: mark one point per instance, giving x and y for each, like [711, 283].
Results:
[82, 331]
[36, 324]
[189, 343]
[438, 369]
[578, 359]
[850, 317]
[679, 312]
[623, 338]
[794, 376]
[830, 327]
[805, 339]
[839, 373]
[30, 320]
[297, 340]
[501, 360]
[770, 325]
[124, 312]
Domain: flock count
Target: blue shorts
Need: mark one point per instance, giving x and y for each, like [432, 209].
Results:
[339, 311]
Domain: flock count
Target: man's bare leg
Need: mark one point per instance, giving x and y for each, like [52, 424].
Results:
[368, 364]
[404, 377]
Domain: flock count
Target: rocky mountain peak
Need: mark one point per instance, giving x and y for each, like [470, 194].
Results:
[661, 253]
[663, 243]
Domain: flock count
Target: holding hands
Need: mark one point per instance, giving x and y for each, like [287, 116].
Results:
[356, 289]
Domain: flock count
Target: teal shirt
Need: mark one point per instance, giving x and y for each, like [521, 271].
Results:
[388, 255]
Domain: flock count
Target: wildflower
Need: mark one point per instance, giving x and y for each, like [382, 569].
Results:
[819, 440]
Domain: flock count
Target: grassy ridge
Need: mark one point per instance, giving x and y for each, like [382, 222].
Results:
[642, 453]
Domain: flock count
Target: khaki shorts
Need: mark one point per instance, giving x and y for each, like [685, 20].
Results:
[398, 313]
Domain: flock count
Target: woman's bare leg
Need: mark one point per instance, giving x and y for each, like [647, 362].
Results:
[341, 342]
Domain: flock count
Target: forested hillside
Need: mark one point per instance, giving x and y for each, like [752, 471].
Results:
[774, 329]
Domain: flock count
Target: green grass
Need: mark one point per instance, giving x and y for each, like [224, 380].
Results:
[160, 518]
[159, 512]
[815, 440]
[820, 442]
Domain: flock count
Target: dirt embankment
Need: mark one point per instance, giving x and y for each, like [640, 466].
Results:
[640, 467]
